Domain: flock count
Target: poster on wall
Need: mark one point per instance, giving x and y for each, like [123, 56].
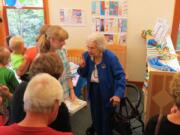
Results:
[123, 8]
[72, 17]
[113, 8]
[109, 17]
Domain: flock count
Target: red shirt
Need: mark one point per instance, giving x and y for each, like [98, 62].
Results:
[15, 129]
[31, 53]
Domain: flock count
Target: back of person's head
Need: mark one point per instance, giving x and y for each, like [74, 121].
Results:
[53, 32]
[57, 32]
[98, 39]
[47, 63]
[16, 44]
[42, 31]
[41, 94]
[4, 56]
[175, 89]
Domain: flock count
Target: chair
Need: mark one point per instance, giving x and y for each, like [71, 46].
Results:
[129, 112]
[74, 55]
[120, 51]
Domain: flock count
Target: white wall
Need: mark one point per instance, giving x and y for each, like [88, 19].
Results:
[142, 14]
[77, 35]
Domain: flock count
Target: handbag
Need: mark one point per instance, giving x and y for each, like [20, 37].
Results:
[118, 121]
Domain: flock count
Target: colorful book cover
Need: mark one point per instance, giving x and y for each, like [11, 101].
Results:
[93, 8]
[123, 25]
[123, 8]
[113, 8]
[107, 8]
[102, 8]
[97, 7]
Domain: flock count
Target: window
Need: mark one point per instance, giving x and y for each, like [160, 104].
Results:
[25, 18]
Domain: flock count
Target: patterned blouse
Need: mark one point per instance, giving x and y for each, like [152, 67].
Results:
[66, 73]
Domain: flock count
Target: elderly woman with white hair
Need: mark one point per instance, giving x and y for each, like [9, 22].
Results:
[105, 81]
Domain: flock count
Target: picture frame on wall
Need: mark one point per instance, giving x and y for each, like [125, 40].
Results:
[72, 17]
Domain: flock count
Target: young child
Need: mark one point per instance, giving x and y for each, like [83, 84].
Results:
[7, 79]
[17, 56]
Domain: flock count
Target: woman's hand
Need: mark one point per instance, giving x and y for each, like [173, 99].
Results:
[72, 95]
[115, 100]
[82, 62]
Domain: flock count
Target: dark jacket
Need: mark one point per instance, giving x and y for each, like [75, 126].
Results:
[166, 127]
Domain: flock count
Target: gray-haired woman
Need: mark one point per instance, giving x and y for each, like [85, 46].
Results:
[105, 81]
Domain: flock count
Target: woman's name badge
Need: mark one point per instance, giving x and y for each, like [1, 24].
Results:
[103, 66]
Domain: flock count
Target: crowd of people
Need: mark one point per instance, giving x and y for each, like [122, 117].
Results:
[33, 91]
[45, 57]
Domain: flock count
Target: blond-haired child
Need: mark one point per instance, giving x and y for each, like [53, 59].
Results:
[16, 44]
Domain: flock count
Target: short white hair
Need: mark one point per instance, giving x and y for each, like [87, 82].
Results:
[16, 42]
[41, 93]
[98, 39]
